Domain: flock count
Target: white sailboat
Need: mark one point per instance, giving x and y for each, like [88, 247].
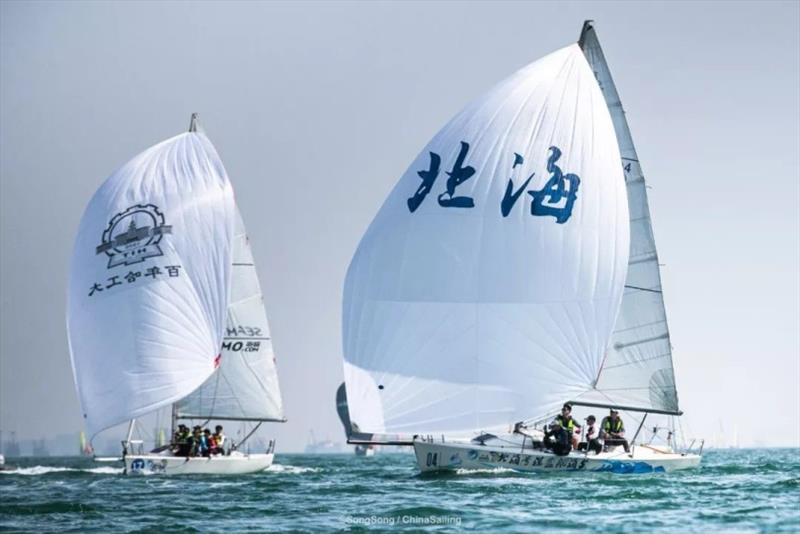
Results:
[165, 308]
[512, 269]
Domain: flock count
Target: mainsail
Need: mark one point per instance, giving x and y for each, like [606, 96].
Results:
[486, 289]
[149, 281]
[638, 370]
[245, 386]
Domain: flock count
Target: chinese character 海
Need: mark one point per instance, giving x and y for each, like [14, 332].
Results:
[548, 200]
[510, 197]
[556, 198]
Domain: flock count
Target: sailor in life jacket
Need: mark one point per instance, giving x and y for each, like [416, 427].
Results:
[568, 423]
[613, 430]
[219, 440]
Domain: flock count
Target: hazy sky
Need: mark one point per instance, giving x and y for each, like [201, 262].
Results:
[318, 108]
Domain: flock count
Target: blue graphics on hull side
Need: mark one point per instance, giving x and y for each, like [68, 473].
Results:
[628, 467]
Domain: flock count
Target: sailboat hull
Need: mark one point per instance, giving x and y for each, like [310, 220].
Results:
[233, 464]
[450, 456]
[365, 450]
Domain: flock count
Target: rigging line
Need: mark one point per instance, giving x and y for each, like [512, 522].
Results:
[662, 388]
[634, 362]
[643, 289]
[619, 346]
[636, 327]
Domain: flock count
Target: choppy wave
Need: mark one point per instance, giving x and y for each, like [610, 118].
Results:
[292, 469]
[754, 491]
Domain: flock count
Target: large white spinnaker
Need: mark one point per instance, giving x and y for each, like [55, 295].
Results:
[486, 288]
[638, 371]
[149, 281]
[245, 386]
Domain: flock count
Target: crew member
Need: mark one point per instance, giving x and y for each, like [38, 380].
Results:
[181, 445]
[568, 423]
[592, 442]
[219, 440]
[613, 431]
[557, 439]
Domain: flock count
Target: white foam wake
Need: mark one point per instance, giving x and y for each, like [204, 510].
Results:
[46, 469]
[292, 469]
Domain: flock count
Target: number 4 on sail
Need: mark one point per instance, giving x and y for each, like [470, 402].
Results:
[533, 281]
[165, 309]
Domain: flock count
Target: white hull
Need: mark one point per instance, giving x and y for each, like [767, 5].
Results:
[450, 456]
[165, 464]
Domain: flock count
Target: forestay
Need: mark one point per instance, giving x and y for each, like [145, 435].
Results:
[638, 370]
[149, 281]
[486, 288]
[245, 386]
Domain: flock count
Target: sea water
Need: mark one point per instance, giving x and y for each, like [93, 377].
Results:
[745, 490]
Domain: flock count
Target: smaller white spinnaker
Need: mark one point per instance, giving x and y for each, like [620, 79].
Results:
[245, 386]
[149, 281]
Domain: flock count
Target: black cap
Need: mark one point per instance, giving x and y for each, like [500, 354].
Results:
[568, 406]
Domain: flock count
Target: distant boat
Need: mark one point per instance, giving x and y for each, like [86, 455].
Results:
[4, 466]
[511, 269]
[325, 446]
[11, 447]
[344, 416]
[165, 308]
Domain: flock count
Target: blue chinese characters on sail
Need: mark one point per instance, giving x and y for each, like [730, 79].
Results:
[558, 195]
[456, 176]
[556, 198]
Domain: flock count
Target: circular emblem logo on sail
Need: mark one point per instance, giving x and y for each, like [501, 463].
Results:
[133, 235]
